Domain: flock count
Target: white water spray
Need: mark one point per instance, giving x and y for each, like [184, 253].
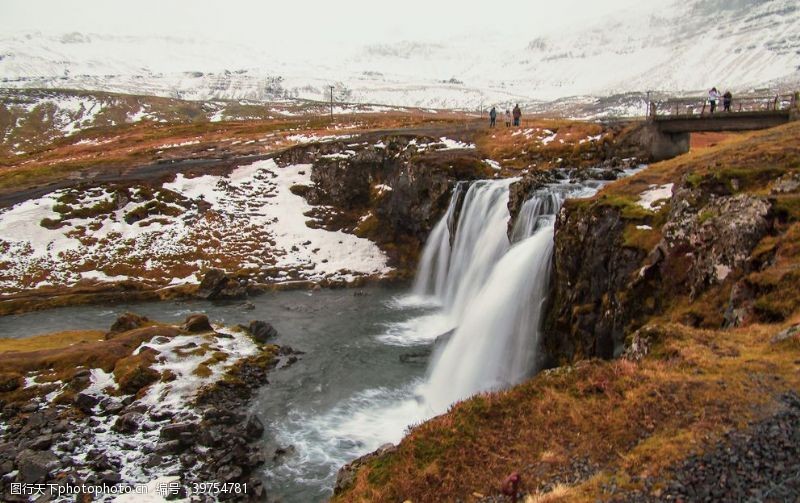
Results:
[495, 291]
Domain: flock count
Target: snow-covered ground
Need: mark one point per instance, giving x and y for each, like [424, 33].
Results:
[248, 220]
[188, 359]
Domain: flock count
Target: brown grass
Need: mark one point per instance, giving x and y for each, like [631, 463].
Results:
[631, 419]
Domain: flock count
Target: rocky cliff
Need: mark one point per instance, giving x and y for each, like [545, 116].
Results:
[701, 235]
[392, 191]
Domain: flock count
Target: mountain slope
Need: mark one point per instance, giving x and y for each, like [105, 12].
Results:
[679, 47]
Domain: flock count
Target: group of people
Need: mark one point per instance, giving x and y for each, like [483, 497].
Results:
[714, 96]
[516, 114]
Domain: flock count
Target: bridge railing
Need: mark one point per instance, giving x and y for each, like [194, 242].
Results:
[702, 106]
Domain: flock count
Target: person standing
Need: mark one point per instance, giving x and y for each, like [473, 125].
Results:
[508, 118]
[517, 114]
[727, 99]
[713, 97]
[492, 117]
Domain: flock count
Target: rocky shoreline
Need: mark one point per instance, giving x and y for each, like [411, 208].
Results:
[174, 410]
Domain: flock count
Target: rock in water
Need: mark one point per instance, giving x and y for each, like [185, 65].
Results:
[197, 323]
[262, 331]
[254, 428]
[216, 284]
[126, 322]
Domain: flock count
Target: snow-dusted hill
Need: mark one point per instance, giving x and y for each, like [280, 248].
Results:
[678, 46]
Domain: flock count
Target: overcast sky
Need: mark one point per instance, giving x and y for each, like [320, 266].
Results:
[307, 23]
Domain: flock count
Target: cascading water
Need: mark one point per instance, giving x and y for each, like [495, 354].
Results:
[453, 274]
[499, 294]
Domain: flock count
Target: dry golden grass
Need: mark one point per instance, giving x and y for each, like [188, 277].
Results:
[629, 418]
[515, 151]
[142, 143]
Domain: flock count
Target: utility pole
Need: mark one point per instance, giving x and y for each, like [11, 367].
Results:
[331, 102]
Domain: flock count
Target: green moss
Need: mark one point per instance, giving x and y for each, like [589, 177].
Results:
[381, 469]
[788, 208]
[629, 209]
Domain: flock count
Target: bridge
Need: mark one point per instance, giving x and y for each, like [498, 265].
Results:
[671, 122]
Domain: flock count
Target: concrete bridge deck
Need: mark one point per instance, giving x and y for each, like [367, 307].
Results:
[667, 131]
[722, 121]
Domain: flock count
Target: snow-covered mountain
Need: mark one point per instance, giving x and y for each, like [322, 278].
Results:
[674, 47]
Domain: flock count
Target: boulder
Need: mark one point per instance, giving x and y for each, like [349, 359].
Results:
[35, 466]
[126, 322]
[216, 284]
[128, 422]
[197, 323]
[134, 373]
[262, 331]
[85, 402]
[9, 381]
[176, 431]
[254, 428]
[41, 443]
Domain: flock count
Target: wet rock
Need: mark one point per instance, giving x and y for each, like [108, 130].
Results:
[170, 447]
[113, 408]
[254, 427]
[110, 478]
[419, 357]
[262, 331]
[216, 284]
[229, 473]
[197, 323]
[126, 322]
[34, 466]
[282, 452]
[520, 191]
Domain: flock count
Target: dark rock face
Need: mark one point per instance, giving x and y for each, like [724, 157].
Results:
[605, 288]
[415, 180]
[592, 277]
[262, 331]
[216, 284]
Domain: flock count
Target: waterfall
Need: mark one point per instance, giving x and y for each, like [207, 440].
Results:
[495, 292]
[452, 274]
